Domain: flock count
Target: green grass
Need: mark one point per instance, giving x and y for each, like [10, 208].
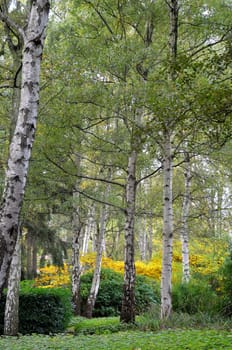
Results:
[101, 325]
[108, 334]
[127, 340]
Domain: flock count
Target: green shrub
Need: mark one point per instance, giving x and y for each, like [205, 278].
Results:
[226, 291]
[194, 297]
[41, 310]
[146, 293]
[103, 325]
[109, 299]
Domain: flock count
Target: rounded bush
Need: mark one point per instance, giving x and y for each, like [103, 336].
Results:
[109, 299]
[41, 311]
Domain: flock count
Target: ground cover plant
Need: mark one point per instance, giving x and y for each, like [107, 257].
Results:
[127, 340]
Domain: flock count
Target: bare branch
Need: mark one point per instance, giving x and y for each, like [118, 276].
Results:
[83, 176]
[149, 175]
[11, 24]
[101, 16]
[100, 201]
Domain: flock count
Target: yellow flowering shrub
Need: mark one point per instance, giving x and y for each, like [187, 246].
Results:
[204, 260]
[53, 276]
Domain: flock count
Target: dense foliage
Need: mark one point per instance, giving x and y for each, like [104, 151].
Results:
[109, 297]
[41, 310]
[164, 340]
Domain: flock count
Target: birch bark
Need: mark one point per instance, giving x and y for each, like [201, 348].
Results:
[89, 228]
[76, 244]
[166, 278]
[184, 222]
[23, 138]
[100, 248]
[128, 300]
[11, 318]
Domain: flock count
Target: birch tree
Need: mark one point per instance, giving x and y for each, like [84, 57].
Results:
[11, 317]
[128, 301]
[104, 212]
[33, 36]
[166, 278]
[77, 226]
[184, 221]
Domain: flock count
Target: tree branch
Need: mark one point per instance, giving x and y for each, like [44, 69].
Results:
[149, 175]
[83, 176]
[99, 200]
[11, 24]
[101, 16]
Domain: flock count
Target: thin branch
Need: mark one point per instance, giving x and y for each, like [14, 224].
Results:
[100, 201]
[101, 16]
[83, 176]
[12, 25]
[99, 138]
[149, 175]
[110, 165]
[211, 44]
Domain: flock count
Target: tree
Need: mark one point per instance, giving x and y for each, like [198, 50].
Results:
[21, 145]
[11, 319]
[184, 220]
[104, 211]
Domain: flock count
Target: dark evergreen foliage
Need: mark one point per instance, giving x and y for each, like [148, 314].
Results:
[43, 311]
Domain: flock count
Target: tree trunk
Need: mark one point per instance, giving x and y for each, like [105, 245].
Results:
[184, 223]
[166, 278]
[143, 244]
[76, 244]
[11, 319]
[150, 238]
[34, 259]
[128, 299]
[76, 270]
[89, 229]
[100, 249]
[97, 271]
[23, 138]
[29, 256]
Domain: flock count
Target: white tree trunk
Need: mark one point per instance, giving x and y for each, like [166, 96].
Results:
[150, 238]
[143, 243]
[11, 319]
[166, 278]
[128, 300]
[23, 138]
[89, 229]
[184, 223]
[100, 248]
[76, 243]
[97, 271]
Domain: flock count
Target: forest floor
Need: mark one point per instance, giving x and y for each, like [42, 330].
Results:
[127, 340]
